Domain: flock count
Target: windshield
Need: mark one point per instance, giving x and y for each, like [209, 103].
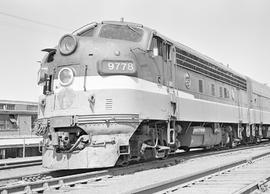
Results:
[121, 32]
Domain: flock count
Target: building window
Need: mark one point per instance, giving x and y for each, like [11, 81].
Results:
[3, 124]
[33, 120]
[201, 86]
[2, 106]
[13, 119]
[10, 106]
[8, 122]
[31, 107]
[220, 92]
[213, 89]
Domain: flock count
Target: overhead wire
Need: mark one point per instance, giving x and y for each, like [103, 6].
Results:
[34, 21]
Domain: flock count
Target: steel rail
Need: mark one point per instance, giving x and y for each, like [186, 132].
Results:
[258, 185]
[19, 164]
[161, 186]
[53, 183]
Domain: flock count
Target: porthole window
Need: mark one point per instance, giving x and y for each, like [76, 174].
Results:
[201, 86]
[220, 92]
[187, 80]
[213, 89]
[226, 93]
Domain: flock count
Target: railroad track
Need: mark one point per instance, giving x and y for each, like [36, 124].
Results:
[41, 183]
[240, 177]
[20, 164]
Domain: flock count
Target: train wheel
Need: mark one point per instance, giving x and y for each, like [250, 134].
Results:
[161, 153]
[162, 156]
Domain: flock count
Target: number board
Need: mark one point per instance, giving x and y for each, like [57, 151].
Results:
[107, 67]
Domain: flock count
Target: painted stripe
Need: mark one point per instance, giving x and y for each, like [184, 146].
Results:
[120, 82]
[132, 83]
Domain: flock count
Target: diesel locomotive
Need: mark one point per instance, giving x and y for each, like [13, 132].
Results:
[115, 92]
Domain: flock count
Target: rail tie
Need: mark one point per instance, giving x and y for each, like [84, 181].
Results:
[192, 178]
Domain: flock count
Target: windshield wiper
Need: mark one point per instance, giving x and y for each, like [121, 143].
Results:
[85, 28]
[133, 29]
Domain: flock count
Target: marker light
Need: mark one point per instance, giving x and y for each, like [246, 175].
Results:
[42, 75]
[67, 44]
[66, 76]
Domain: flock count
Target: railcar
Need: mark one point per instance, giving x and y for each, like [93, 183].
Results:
[115, 92]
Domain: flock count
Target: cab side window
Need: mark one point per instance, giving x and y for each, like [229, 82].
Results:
[167, 51]
[156, 46]
[161, 48]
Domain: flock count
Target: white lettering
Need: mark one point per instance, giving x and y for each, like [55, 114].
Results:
[117, 65]
[124, 66]
[110, 66]
[130, 67]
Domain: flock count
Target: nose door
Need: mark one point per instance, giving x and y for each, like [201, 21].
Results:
[168, 64]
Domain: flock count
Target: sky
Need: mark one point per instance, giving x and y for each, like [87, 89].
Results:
[234, 32]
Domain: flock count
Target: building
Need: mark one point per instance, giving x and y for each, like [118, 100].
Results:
[16, 124]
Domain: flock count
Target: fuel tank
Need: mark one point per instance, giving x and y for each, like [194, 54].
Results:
[201, 137]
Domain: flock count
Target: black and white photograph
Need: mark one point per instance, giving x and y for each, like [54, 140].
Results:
[134, 96]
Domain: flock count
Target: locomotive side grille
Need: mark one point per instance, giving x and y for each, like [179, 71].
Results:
[108, 104]
[191, 62]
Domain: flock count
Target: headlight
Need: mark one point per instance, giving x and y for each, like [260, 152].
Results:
[67, 44]
[66, 76]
